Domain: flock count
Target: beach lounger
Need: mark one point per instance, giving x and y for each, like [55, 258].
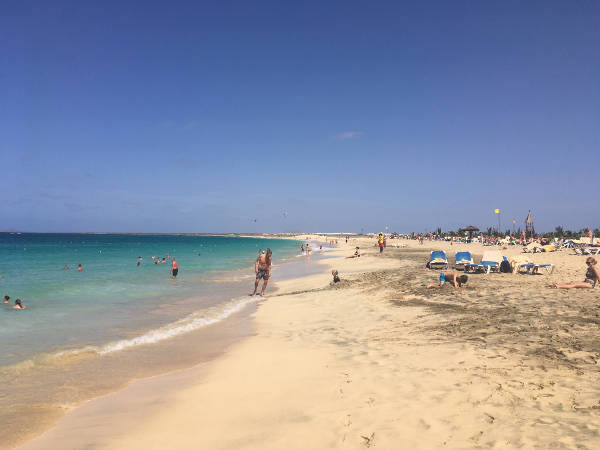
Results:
[463, 258]
[587, 251]
[491, 261]
[475, 268]
[437, 260]
[532, 268]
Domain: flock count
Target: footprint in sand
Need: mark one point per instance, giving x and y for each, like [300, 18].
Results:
[424, 424]
[347, 375]
[368, 441]
[476, 436]
[489, 418]
[347, 421]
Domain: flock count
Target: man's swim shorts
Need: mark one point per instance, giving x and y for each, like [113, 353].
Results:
[264, 274]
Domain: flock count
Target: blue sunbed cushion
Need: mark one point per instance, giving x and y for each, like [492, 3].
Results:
[463, 256]
[438, 255]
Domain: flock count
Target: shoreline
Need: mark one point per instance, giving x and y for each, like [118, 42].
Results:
[376, 360]
[65, 379]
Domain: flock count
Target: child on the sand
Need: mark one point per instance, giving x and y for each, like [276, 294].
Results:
[336, 277]
[356, 254]
[450, 277]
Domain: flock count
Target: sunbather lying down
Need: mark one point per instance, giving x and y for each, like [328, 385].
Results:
[454, 278]
[592, 275]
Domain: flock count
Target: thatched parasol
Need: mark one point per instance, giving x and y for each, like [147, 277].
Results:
[470, 229]
[529, 224]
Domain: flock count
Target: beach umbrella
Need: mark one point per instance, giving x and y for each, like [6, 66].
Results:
[469, 229]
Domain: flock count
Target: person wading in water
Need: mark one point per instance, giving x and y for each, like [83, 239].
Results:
[262, 267]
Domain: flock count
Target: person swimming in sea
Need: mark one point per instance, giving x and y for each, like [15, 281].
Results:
[592, 276]
[19, 305]
[450, 277]
[66, 267]
[79, 268]
[6, 299]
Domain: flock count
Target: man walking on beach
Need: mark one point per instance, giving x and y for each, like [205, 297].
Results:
[262, 268]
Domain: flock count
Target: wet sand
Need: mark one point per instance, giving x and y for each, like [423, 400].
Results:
[379, 361]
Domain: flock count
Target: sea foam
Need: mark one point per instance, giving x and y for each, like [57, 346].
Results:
[189, 323]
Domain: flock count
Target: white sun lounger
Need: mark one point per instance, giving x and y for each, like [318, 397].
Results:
[532, 268]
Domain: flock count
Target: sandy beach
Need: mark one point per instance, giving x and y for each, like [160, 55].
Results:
[378, 361]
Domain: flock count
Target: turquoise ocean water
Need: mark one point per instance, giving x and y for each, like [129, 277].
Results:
[114, 303]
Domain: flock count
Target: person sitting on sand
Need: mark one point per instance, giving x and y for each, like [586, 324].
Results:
[592, 275]
[356, 254]
[19, 305]
[6, 298]
[450, 277]
[336, 277]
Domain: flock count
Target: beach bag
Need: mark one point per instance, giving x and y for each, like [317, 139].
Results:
[505, 267]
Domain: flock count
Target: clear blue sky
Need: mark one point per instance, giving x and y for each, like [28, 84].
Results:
[314, 116]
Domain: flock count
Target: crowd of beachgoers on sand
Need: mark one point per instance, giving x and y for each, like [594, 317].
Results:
[572, 240]
[586, 243]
